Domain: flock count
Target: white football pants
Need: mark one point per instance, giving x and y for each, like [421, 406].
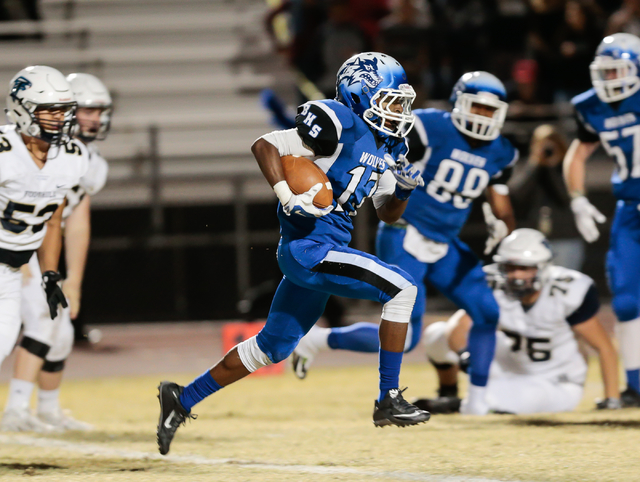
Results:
[58, 333]
[10, 292]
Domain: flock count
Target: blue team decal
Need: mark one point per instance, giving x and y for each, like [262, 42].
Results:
[361, 70]
[21, 83]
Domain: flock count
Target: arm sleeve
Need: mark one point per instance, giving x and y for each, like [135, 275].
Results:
[386, 188]
[317, 129]
[588, 309]
[288, 143]
[586, 133]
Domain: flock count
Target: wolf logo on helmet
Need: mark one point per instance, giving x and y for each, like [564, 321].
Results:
[361, 70]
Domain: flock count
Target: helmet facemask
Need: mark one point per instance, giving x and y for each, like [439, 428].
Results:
[522, 285]
[43, 125]
[390, 111]
[479, 126]
[614, 79]
[92, 129]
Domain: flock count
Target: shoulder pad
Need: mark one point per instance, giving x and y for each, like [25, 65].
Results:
[586, 99]
[341, 111]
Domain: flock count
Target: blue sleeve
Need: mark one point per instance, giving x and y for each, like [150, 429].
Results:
[588, 309]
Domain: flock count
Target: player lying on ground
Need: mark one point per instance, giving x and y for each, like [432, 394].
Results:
[45, 344]
[461, 155]
[354, 140]
[39, 164]
[537, 365]
[610, 114]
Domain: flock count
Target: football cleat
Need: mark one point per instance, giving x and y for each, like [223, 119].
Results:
[302, 357]
[395, 410]
[630, 398]
[172, 414]
[63, 421]
[440, 405]
[22, 420]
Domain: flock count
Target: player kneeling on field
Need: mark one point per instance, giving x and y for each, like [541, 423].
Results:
[537, 365]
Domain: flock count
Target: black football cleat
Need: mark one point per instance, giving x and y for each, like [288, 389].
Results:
[172, 414]
[630, 398]
[440, 405]
[395, 410]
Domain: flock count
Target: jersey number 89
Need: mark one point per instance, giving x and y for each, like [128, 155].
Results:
[448, 179]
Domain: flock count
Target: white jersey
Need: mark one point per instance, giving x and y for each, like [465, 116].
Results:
[541, 341]
[91, 183]
[29, 195]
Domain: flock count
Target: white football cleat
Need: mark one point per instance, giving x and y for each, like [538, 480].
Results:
[302, 356]
[22, 420]
[63, 421]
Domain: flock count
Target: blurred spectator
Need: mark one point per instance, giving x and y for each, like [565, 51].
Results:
[627, 19]
[404, 35]
[540, 198]
[341, 38]
[577, 40]
[523, 89]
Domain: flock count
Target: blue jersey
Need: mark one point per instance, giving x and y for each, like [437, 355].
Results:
[454, 172]
[353, 158]
[617, 126]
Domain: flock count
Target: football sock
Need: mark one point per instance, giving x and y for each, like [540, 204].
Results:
[361, 337]
[198, 390]
[48, 401]
[317, 338]
[448, 390]
[482, 345]
[633, 379]
[629, 341]
[19, 394]
[389, 366]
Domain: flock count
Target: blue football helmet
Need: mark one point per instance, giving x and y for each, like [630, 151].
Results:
[374, 86]
[479, 88]
[614, 71]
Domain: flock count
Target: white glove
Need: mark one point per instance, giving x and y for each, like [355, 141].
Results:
[587, 215]
[408, 177]
[475, 403]
[497, 228]
[301, 204]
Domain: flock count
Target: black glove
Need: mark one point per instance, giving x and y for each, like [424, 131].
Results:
[53, 291]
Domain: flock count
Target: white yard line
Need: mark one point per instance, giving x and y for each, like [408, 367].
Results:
[101, 451]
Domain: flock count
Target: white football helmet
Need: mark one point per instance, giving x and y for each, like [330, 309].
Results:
[41, 87]
[523, 247]
[615, 70]
[91, 93]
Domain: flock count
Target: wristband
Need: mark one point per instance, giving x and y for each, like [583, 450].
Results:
[283, 191]
[403, 194]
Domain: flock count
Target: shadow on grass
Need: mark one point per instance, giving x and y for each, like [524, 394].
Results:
[541, 422]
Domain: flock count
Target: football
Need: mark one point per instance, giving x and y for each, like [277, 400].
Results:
[302, 174]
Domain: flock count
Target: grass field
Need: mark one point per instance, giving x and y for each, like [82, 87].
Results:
[280, 428]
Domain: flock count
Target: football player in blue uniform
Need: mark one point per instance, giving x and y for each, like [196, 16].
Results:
[358, 141]
[609, 114]
[461, 155]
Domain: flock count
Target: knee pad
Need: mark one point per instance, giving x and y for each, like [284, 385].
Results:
[35, 347]
[625, 307]
[53, 366]
[251, 356]
[436, 342]
[399, 308]
[62, 343]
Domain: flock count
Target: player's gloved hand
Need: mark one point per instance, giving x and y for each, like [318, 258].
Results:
[475, 402]
[54, 293]
[408, 177]
[587, 215]
[72, 293]
[497, 228]
[608, 404]
[301, 204]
